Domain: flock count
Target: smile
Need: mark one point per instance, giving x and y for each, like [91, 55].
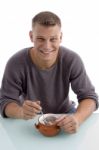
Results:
[46, 52]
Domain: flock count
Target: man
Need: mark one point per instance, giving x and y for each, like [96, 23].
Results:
[41, 76]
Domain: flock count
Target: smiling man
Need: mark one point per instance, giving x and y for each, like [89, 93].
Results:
[46, 39]
[38, 78]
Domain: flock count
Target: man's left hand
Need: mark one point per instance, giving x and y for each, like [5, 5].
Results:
[68, 123]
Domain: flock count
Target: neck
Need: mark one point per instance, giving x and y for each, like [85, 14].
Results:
[41, 64]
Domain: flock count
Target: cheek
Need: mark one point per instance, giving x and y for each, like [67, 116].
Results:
[56, 45]
[36, 44]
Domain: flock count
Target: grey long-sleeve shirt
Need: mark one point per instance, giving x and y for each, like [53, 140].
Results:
[50, 86]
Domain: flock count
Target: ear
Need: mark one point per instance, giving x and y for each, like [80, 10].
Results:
[31, 35]
[61, 37]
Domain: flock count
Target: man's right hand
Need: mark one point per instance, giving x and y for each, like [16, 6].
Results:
[30, 109]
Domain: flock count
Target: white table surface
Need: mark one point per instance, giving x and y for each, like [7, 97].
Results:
[22, 135]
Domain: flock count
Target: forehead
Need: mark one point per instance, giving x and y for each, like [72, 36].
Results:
[41, 30]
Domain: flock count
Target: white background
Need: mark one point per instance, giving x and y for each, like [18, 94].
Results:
[80, 20]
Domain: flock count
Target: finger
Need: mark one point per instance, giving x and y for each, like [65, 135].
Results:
[38, 102]
[29, 114]
[31, 111]
[67, 121]
[59, 119]
[62, 121]
[70, 129]
[30, 105]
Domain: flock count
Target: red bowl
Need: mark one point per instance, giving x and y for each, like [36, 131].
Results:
[49, 129]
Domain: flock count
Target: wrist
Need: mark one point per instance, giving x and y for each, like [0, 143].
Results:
[13, 110]
[20, 113]
[78, 118]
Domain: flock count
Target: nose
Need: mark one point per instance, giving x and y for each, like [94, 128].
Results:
[47, 45]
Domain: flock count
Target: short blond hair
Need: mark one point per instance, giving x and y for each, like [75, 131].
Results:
[46, 18]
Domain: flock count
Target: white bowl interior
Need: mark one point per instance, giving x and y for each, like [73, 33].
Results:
[44, 116]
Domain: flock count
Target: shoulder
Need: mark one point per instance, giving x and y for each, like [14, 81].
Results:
[20, 55]
[69, 56]
[18, 58]
[71, 63]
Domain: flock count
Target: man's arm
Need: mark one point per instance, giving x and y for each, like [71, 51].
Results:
[71, 122]
[85, 109]
[13, 110]
[28, 110]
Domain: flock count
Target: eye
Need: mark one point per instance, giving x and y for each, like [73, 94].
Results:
[53, 39]
[40, 39]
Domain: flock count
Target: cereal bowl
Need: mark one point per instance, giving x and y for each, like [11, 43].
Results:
[47, 126]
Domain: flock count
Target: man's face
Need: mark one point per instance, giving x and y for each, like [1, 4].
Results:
[46, 41]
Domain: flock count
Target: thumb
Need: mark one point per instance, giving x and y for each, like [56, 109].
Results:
[38, 102]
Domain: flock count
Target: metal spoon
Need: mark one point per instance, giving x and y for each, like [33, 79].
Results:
[44, 119]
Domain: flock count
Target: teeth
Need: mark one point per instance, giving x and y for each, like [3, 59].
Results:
[46, 52]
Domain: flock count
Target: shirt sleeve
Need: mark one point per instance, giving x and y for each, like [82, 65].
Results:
[11, 87]
[80, 82]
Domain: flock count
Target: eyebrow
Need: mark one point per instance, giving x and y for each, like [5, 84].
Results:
[54, 36]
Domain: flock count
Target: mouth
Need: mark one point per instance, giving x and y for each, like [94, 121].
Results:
[46, 52]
